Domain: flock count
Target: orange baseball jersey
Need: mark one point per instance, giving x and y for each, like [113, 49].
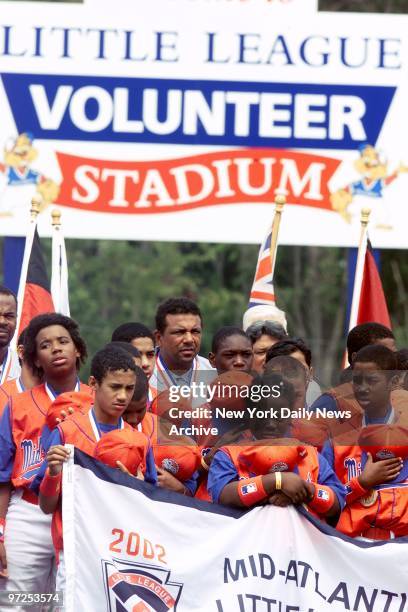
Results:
[380, 513]
[148, 426]
[83, 431]
[7, 389]
[21, 452]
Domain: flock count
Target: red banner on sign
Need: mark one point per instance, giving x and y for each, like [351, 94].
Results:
[211, 179]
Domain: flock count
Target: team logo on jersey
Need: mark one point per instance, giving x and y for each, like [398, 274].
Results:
[33, 455]
[322, 494]
[170, 465]
[353, 467]
[139, 587]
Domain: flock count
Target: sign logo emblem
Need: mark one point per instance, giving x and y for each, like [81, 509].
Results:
[139, 587]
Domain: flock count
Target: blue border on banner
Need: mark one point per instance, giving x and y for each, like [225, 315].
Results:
[115, 476]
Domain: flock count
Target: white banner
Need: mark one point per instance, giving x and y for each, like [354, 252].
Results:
[158, 127]
[131, 546]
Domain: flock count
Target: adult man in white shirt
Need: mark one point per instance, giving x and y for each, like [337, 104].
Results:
[178, 337]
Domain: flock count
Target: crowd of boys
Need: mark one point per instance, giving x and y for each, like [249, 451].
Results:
[340, 454]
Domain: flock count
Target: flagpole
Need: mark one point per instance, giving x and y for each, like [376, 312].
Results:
[358, 278]
[59, 273]
[56, 259]
[34, 212]
[280, 202]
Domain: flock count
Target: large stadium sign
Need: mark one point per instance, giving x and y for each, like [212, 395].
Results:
[182, 119]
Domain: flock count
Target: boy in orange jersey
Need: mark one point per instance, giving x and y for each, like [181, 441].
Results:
[26, 380]
[54, 350]
[235, 480]
[113, 377]
[375, 476]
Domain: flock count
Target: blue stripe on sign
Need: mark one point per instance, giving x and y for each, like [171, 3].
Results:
[283, 115]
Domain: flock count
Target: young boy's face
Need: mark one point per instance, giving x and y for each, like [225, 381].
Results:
[56, 352]
[145, 347]
[372, 387]
[235, 353]
[113, 394]
[135, 411]
[275, 425]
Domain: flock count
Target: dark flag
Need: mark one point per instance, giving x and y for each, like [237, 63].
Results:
[37, 296]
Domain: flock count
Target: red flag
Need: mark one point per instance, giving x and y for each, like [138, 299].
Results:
[37, 296]
[372, 305]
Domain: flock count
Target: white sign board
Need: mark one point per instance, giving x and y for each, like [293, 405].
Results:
[154, 550]
[182, 119]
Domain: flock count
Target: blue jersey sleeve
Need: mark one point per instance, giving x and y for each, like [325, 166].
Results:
[328, 478]
[192, 483]
[53, 440]
[45, 438]
[150, 472]
[222, 471]
[328, 453]
[7, 446]
[326, 401]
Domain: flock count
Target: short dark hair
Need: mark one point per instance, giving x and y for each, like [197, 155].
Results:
[142, 385]
[223, 333]
[6, 291]
[382, 356]
[125, 346]
[402, 357]
[266, 328]
[22, 337]
[46, 320]
[178, 305]
[289, 346]
[129, 331]
[365, 334]
[287, 366]
[110, 360]
[272, 379]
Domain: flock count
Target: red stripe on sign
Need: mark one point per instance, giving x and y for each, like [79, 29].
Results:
[226, 177]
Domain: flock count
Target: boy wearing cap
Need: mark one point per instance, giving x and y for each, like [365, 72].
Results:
[54, 350]
[274, 468]
[113, 376]
[365, 453]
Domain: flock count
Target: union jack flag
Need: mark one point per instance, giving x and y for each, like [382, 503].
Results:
[262, 291]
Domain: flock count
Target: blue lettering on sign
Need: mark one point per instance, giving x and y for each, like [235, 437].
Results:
[189, 112]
